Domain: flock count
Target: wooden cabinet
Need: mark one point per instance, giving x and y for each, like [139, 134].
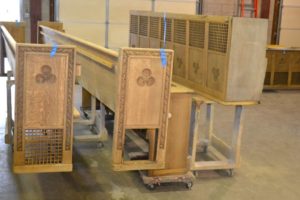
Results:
[223, 58]
[283, 71]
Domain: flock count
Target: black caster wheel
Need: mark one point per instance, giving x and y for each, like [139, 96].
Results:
[189, 185]
[151, 187]
[100, 145]
[230, 172]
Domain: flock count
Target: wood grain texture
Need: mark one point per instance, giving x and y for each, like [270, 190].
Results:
[43, 127]
[178, 135]
[142, 103]
[16, 29]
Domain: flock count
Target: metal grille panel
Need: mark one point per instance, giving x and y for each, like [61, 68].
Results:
[43, 146]
[134, 19]
[197, 34]
[218, 35]
[143, 26]
[169, 29]
[154, 27]
[180, 31]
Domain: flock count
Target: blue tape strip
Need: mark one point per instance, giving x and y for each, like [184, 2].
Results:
[54, 49]
[163, 54]
[17, 23]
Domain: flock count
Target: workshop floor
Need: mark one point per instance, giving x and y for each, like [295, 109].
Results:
[270, 166]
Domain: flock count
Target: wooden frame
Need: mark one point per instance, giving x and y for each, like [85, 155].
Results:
[283, 71]
[222, 58]
[43, 127]
[133, 84]
[225, 156]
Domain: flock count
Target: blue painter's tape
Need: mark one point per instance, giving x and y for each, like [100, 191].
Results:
[163, 54]
[17, 23]
[54, 49]
[163, 57]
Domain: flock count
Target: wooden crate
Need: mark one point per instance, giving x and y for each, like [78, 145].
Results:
[220, 57]
[283, 71]
[43, 129]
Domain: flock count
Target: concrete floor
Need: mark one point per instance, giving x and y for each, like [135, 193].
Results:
[270, 167]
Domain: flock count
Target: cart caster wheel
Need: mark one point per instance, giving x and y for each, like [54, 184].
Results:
[189, 185]
[230, 172]
[151, 186]
[100, 145]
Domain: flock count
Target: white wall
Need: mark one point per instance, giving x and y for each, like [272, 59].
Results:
[290, 24]
[86, 19]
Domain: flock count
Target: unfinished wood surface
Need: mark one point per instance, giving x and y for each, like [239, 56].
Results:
[54, 25]
[178, 135]
[16, 29]
[283, 71]
[98, 65]
[142, 75]
[43, 127]
[220, 57]
[44, 108]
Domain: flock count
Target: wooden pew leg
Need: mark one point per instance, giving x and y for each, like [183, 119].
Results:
[97, 122]
[8, 132]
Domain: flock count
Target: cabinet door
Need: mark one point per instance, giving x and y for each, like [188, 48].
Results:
[196, 69]
[216, 64]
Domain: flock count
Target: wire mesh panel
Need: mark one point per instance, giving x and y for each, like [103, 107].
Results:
[134, 24]
[197, 34]
[218, 36]
[154, 27]
[43, 146]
